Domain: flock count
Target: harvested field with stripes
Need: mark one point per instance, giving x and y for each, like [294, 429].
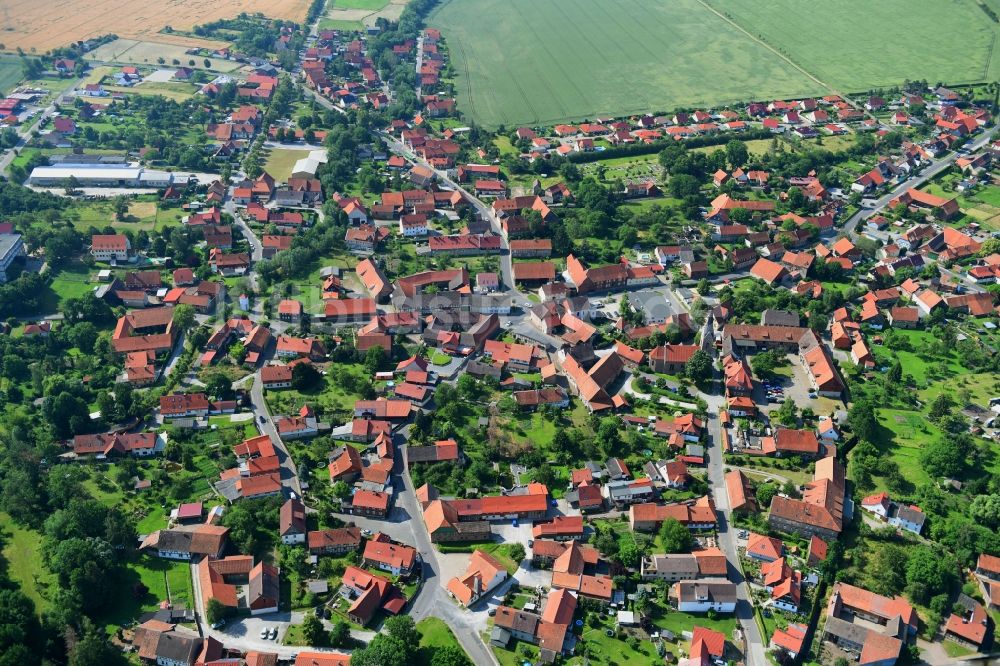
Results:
[39, 26]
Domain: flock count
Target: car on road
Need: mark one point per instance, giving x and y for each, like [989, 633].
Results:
[263, 633]
[274, 633]
[219, 625]
[366, 533]
[261, 418]
[492, 612]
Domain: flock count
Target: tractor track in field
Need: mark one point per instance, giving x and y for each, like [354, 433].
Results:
[800, 68]
[562, 71]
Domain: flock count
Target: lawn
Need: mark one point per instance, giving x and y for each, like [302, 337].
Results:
[344, 26]
[434, 635]
[902, 435]
[23, 559]
[330, 397]
[437, 358]
[373, 5]
[755, 147]
[72, 281]
[154, 573]
[937, 41]
[143, 214]
[504, 145]
[954, 650]
[501, 551]
[568, 59]
[281, 160]
[678, 622]
[10, 72]
[177, 92]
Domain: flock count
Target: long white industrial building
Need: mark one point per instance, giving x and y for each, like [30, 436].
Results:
[104, 176]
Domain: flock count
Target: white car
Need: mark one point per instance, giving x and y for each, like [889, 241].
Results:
[263, 633]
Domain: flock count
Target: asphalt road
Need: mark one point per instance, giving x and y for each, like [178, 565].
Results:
[25, 133]
[262, 416]
[918, 180]
[506, 270]
[727, 537]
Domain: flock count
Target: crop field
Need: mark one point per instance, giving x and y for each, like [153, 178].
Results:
[522, 61]
[39, 26]
[855, 45]
[525, 62]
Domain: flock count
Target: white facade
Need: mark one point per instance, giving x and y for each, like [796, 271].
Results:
[412, 230]
[785, 605]
[703, 606]
[277, 385]
[11, 247]
[108, 255]
[292, 538]
[907, 525]
[880, 510]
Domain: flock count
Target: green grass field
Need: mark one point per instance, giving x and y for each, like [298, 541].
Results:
[527, 62]
[10, 72]
[337, 24]
[23, 559]
[938, 41]
[373, 5]
[523, 62]
[177, 92]
[281, 160]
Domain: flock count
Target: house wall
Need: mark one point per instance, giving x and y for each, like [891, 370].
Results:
[265, 609]
[277, 385]
[786, 605]
[705, 606]
[802, 529]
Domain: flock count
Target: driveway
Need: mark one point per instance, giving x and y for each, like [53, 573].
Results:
[243, 634]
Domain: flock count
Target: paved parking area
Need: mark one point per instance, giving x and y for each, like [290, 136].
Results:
[796, 387]
[507, 533]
